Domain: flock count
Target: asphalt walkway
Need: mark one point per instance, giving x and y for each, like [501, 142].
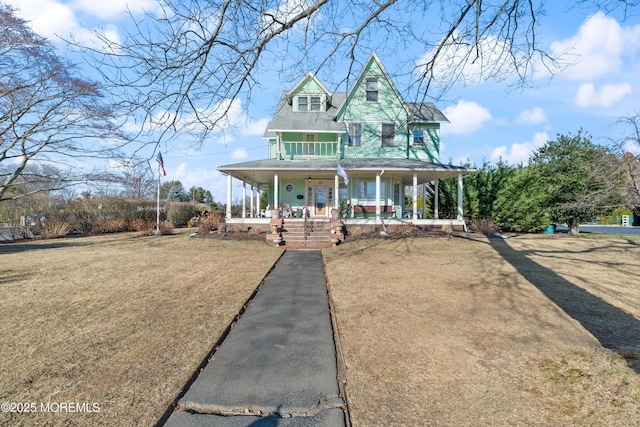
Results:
[277, 366]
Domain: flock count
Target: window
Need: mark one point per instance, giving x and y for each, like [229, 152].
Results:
[367, 192]
[355, 134]
[315, 103]
[418, 137]
[309, 146]
[397, 194]
[309, 103]
[372, 88]
[289, 188]
[388, 135]
[303, 103]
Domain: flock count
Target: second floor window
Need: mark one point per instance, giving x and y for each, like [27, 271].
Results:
[418, 137]
[372, 88]
[355, 134]
[388, 135]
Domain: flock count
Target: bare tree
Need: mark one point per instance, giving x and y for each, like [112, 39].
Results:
[183, 68]
[629, 148]
[48, 114]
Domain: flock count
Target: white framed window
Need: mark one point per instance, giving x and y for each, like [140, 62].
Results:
[372, 89]
[397, 194]
[366, 191]
[315, 102]
[309, 102]
[418, 137]
[309, 145]
[388, 134]
[355, 134]
[303, 103]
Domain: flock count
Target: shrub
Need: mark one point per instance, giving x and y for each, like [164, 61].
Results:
[180, 213]
[484, 226]
[165, 228]
[109, 225]
[210, 222]
[255, 230]
[53, 228]
[138, 224]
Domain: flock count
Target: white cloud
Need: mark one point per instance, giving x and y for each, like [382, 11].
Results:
[255, 128]
[533, 116]
[608, 95]
[519, 152]
[239, 153]
[48, 18]
[108, 9]
[465, 117]
[598, 47]
[461, 60]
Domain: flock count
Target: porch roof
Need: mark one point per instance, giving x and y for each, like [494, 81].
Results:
[261, 172]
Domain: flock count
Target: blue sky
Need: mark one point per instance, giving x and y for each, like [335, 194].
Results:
[599, 84]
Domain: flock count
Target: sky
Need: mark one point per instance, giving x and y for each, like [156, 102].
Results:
[489, 121]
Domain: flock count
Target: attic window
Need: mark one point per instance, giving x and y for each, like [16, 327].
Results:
[303, 103]
[309, 103]
[372, 88]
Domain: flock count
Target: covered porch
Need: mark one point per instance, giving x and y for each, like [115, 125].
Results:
[373, 196]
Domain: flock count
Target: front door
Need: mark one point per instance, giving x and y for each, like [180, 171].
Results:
[320, 201]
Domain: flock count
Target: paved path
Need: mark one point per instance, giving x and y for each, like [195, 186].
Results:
[279, 359]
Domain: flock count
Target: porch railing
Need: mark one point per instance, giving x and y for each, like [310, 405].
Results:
[309, 150]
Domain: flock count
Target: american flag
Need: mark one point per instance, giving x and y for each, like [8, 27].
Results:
[343, 174]
[161, 163]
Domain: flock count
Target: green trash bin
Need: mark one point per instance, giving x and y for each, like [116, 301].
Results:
[549, 229]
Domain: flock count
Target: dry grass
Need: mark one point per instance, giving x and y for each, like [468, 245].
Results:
[120, 320]
[532, 330]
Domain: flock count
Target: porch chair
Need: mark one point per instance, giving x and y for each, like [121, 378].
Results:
[287, 212]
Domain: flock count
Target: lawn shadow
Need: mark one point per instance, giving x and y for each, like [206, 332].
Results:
[614, 328]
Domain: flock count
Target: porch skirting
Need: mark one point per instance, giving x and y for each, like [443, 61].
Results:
[368, 225]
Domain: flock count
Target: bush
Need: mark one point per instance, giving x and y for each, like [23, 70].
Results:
[180, 213]
[165, 228]
[212, 221]
[53, 228]
[484, 226]
[110, 225]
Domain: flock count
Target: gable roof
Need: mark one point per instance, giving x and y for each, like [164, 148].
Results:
[302, 81]
[286, 120]
[372, 58]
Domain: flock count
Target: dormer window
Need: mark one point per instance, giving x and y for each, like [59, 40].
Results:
[309, 103]
[372, 88]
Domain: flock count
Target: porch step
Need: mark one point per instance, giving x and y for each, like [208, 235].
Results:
[316, 236]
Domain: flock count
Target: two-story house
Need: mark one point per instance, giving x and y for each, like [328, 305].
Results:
[370, 134]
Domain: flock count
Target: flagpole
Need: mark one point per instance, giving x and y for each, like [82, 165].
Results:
[158, 205]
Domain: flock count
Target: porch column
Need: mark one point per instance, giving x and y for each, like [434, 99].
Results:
[275, 191]
[424, 200]
[229, 196]
[436, 199]
[415, 196]
[257, 202]
[459, 196]
[244, 199]
[252, 212]
[277, 146]
[377, 198]
[336, 189]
